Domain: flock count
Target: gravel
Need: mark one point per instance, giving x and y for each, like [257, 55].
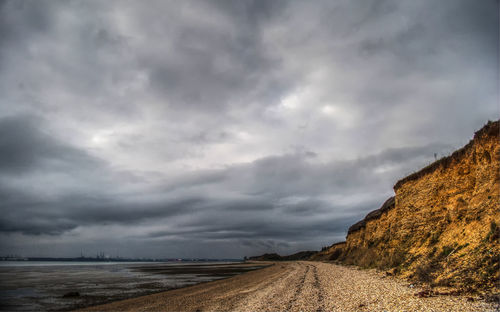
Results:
[300, 286]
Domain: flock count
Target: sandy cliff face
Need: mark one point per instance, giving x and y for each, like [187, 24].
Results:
[441, 226]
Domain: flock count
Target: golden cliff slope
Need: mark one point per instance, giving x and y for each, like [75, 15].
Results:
[442, 225]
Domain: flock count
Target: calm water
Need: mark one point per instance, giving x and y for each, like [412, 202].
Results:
[40, 286]
[61, 263]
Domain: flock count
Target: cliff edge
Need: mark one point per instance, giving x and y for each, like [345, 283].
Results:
[441, 227]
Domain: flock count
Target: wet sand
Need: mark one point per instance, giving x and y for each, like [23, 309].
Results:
[210, 269]
[299, 286]
[42, 287]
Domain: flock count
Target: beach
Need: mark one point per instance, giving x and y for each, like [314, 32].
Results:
[301, 286]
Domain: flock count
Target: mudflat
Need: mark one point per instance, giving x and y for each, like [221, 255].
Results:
[299, 286]
[63, 286]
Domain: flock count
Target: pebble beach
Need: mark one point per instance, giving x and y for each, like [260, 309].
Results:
[300, 286]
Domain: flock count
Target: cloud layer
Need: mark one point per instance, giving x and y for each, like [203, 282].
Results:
[222, 128]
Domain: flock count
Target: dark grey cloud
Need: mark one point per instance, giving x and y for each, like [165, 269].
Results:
[37, 20]
[31, 215]
[25, 147]
[223, 128]
[222, 68]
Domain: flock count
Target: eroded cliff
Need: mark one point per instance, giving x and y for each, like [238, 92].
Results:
[441, 226]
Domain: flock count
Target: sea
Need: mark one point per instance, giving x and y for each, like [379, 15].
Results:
[63, 286]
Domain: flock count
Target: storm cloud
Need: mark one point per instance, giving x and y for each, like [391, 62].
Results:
[223, 128]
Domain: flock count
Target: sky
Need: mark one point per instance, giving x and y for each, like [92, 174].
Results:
[223, 129]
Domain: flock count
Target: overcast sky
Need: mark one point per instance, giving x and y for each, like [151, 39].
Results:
[227, 128]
